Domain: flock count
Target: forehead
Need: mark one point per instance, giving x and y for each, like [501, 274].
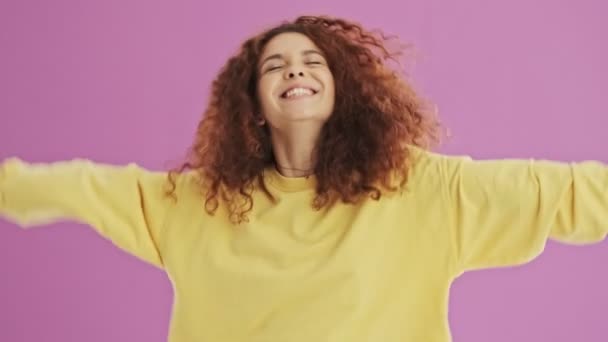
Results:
[289, 42]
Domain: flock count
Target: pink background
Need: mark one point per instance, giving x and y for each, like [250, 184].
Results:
[120, 81]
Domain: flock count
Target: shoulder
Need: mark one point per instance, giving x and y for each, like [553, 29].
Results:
[184, 187]
[424, 164]
[432, 171]
[429, 163]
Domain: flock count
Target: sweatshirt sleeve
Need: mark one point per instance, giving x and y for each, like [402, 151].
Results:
[502, 212]
[123, 203]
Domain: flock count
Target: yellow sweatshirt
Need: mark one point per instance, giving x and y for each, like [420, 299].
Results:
[377, 271]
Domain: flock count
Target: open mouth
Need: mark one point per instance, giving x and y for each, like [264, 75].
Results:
[298, 92]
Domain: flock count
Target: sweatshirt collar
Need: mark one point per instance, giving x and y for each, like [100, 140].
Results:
[289, 184]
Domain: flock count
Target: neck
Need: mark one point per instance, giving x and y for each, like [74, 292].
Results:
[294, 150]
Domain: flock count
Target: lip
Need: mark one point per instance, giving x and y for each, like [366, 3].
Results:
[298, 85]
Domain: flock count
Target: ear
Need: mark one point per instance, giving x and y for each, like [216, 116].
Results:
[260, 121]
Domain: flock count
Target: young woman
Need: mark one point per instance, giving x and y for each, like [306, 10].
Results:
[311, 207]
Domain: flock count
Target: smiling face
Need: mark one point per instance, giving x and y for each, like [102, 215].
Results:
[295, 82]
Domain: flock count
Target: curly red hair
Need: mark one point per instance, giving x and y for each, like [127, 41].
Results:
[376, 115]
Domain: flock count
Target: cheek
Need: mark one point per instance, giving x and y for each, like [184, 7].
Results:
[331, 86]
[265, 89]
[329, 81]
[263, 93]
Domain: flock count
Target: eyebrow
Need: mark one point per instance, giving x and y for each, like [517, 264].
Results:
[279, 56]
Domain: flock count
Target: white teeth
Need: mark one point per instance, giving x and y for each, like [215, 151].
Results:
[298, 92]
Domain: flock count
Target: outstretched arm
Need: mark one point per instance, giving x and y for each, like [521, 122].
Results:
[123, 203]
[503, 211]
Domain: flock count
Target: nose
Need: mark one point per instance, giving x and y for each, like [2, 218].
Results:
[292, 73]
